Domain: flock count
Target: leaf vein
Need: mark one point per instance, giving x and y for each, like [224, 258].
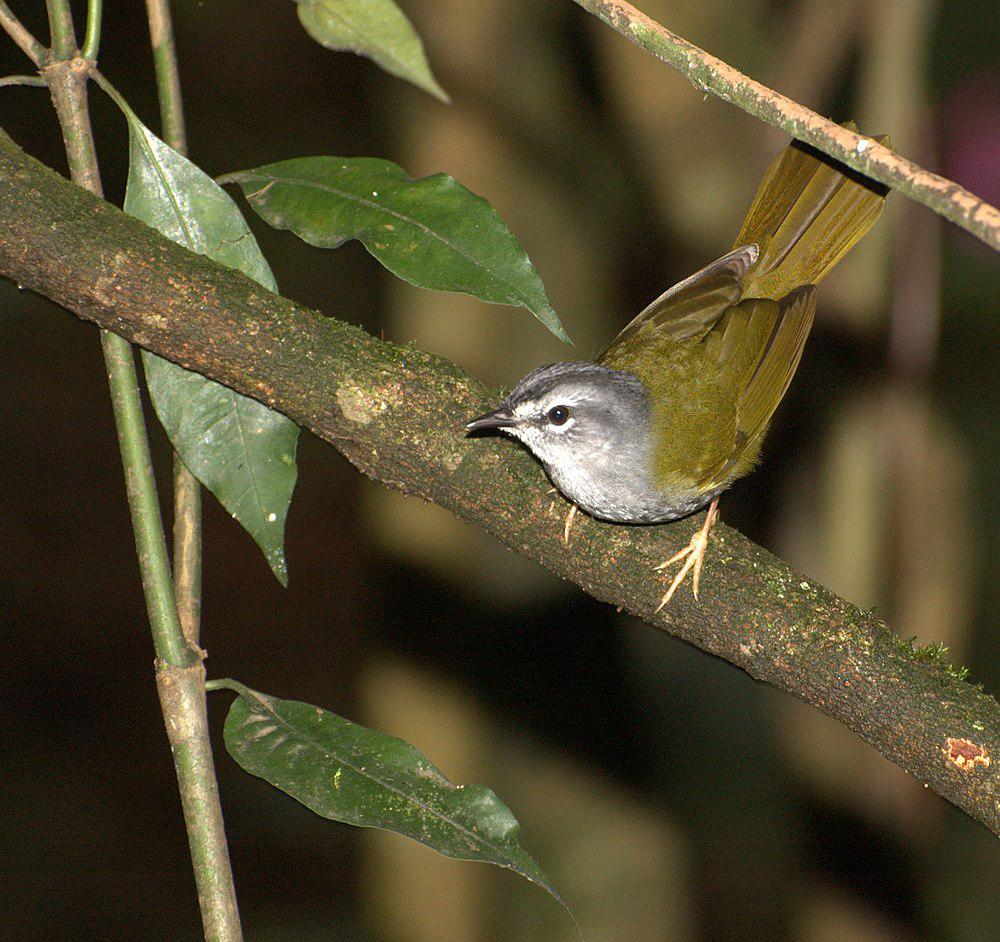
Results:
[467, 832]
[351, 197]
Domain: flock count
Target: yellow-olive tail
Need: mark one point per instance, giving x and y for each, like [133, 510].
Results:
[807, 214]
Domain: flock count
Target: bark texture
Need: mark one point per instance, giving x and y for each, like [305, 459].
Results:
[398, 414]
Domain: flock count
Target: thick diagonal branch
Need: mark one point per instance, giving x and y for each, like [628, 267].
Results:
[864, 154]
[398, 413]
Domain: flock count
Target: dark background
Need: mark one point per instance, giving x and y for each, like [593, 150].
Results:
[665, 793]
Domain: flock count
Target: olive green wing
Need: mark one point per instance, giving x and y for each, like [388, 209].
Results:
[688, 309]
[684, 347]
[755, 349]
[716, 368]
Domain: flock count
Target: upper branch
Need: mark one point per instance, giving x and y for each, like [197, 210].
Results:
[398, 414]
[864, 154]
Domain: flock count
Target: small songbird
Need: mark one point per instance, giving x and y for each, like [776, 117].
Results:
[675, 409]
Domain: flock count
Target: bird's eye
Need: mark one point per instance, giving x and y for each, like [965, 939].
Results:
[558, 415]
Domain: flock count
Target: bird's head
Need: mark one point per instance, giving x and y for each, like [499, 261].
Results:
[572, 414]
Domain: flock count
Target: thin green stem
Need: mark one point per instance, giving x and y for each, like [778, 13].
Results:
[68, 85]
[187, 491]
[92, 39]
[168, 639]
[35, 80]
[116, 96]
[180, 675]
[27, 43]
[168, 81]
[61, 30]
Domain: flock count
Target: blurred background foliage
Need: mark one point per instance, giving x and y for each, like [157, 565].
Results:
[665, 794]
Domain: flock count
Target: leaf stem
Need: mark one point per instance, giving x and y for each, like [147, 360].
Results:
[27, 43]
[187, 490]
[92, 39]
[227, 683]
[180, 675]
[112, 92]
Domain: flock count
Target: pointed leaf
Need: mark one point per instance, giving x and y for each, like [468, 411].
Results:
[243, 452]
[349, 773]
[432, 232]
[377, 29]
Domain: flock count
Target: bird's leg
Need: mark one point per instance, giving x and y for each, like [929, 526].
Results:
[568, 525]
[570, 516]
[695, 553]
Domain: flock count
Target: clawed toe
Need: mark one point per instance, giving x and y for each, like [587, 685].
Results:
[695, 558]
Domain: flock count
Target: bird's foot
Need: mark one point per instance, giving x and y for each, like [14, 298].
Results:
[693, 555]
[570, 516]
[568, 525]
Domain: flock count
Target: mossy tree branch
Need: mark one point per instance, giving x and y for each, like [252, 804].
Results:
[711, 75]
[397, 413]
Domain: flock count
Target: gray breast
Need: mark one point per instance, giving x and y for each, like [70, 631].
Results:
[623, 492]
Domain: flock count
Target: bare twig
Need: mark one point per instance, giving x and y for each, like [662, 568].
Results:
[168, 77]
[14, 28]
[399, 414]
[815, 38]
[35, 80]
[864, 154]
[187, 490]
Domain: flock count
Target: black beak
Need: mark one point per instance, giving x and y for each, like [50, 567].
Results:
[498, 418]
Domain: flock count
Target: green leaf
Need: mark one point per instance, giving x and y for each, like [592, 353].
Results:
[432, 232]
[377, 29]
[346, 772]
[243, 452]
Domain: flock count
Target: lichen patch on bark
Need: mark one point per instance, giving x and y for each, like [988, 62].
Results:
[355, 405]
[965, 754]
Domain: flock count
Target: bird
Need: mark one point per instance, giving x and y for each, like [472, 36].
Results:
[675, 409]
